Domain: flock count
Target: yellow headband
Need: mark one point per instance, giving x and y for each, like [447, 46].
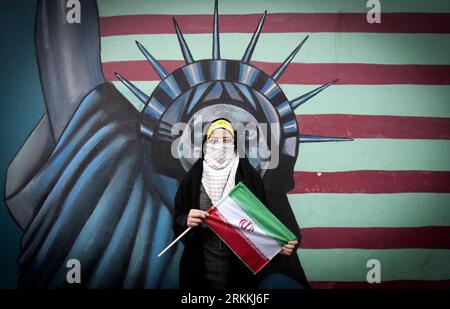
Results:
[220, 123]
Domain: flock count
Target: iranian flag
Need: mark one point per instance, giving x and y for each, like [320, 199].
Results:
[251, 231]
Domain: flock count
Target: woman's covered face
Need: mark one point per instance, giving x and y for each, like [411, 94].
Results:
[219, 147]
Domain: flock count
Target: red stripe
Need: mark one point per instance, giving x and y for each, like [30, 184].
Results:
[397, 284]
[429, 237]
[237, 241]
[366, 126]
[277, 23]
[372, 181]
[309, 73]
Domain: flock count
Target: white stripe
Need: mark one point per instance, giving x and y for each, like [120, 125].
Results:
[183, 7]
[375, 154]
[396, 264]
[233, 213]
[324, 47]
[369, 210]
[390, 100]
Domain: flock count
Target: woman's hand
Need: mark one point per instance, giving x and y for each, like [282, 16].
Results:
[288, 248]
[196, 217]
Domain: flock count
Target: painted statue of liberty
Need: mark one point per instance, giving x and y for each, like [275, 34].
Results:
[95, 180]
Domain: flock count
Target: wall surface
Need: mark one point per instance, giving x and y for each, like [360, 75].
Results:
[384, 195]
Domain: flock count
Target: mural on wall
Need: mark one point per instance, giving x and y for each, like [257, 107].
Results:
[95, 180]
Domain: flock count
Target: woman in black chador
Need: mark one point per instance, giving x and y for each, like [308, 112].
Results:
[207, 262]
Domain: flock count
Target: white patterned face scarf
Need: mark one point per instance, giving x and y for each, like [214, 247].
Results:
[219, 170]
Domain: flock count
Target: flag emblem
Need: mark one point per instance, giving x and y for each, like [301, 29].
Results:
[246, 225]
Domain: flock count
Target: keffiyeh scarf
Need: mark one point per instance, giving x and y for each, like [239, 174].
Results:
[219, 170]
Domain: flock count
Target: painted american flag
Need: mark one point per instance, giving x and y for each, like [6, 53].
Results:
[385, 195]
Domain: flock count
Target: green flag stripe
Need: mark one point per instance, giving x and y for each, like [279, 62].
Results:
[262, 216]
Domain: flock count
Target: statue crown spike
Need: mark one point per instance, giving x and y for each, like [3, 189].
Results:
[154, 109]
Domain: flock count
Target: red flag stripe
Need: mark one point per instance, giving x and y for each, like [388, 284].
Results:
[308, 73]
[396, 284]
[277, 23]
[372, 181]
[368, 126]
[430, 237]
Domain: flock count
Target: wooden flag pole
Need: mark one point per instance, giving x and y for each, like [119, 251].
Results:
[175, 241]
